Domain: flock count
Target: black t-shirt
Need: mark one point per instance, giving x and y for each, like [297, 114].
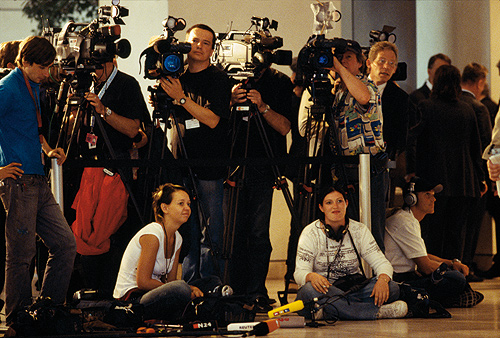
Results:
[276, 90]
[210, 88]
[123, 97]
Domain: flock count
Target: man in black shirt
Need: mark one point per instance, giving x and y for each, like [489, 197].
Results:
[203, 93]
[271, 97]
[102, 199]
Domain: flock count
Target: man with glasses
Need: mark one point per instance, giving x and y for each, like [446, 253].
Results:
[393, 108]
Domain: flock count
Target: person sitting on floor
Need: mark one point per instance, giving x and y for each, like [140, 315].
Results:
[443, 279]
[148, 270]
[330, 251]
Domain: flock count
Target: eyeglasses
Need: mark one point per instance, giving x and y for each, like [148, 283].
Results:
[383, 61]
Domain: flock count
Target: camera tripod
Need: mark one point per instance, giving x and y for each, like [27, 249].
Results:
[84, 81]
[236, 178]
[163, 108]
[320, 114]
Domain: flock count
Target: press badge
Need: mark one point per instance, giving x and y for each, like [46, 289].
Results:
[91, 139]
[192, 124]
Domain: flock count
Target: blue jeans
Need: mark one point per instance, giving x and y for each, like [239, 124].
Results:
[31, 209]
[202, 255]
[252, 245]
[169, 300]
[355, 306]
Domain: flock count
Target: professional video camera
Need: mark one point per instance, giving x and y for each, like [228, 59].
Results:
[316, 56]
[386, 34]
[165, 56]
[81, 48]
[242, 54]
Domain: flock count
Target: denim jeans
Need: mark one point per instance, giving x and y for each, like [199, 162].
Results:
[169, 300]
[252, 245]
[200, 262]
[355, 306]
[31, 209]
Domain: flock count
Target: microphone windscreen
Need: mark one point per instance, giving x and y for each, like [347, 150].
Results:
[265, 327]
[292, 307]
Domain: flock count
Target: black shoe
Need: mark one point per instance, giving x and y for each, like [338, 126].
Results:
[262, 305]
[473, 278]
[493, 272]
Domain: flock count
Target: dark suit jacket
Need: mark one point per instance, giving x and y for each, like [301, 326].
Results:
[482, 116]
[395, 112]
[448, 147]
[422, 93]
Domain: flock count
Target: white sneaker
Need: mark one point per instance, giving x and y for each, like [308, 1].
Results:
[397, 309]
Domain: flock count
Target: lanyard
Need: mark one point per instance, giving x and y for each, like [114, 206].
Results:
[106, 85]
[38, 116]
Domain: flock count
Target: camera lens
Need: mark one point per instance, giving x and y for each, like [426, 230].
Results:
[172, 63]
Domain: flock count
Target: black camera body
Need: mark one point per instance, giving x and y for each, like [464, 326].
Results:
[165, 56]
[316, 56]
[242, 54]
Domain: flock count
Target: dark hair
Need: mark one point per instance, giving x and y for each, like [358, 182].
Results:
[205, 28]
[328, 190]
[35, 49]
[8, 52]
[441, 56]
[447, 83]
[474, 72]
[164, 194]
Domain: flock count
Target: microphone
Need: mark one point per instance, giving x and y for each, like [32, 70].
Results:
[265, 327]
[292, 307]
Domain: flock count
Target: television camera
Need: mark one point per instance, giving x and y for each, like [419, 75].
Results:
[164, 57]
[242, 54]
[81, 48]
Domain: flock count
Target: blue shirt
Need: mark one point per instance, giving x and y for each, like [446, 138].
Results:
[19, 138]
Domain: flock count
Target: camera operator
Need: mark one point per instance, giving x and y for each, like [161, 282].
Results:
[358, 130]
[203, 93]
[271, 95]
[101, 201]
[29, 203]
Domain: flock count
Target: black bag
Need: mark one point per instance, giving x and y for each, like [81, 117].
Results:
[419, 303]
[224, 310]
[346, 283]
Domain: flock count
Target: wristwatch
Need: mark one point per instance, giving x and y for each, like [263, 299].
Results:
[182, 101]
[455, 260]
[107, 113]
[266, 110]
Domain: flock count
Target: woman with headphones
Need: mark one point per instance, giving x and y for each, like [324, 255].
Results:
[329, 267]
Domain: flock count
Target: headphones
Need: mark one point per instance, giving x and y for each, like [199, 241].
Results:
[410, 198]
[336, 236]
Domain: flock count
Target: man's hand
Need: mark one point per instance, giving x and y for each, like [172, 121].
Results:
[195, 292]
[464, 269]
[238, 94]
[11, 170]
[96, 102]
[172, 87]
[59, 154]
[493, 170]
[380, 291]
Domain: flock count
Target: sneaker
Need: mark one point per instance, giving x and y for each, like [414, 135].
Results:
[319, 314]
[397, 309]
